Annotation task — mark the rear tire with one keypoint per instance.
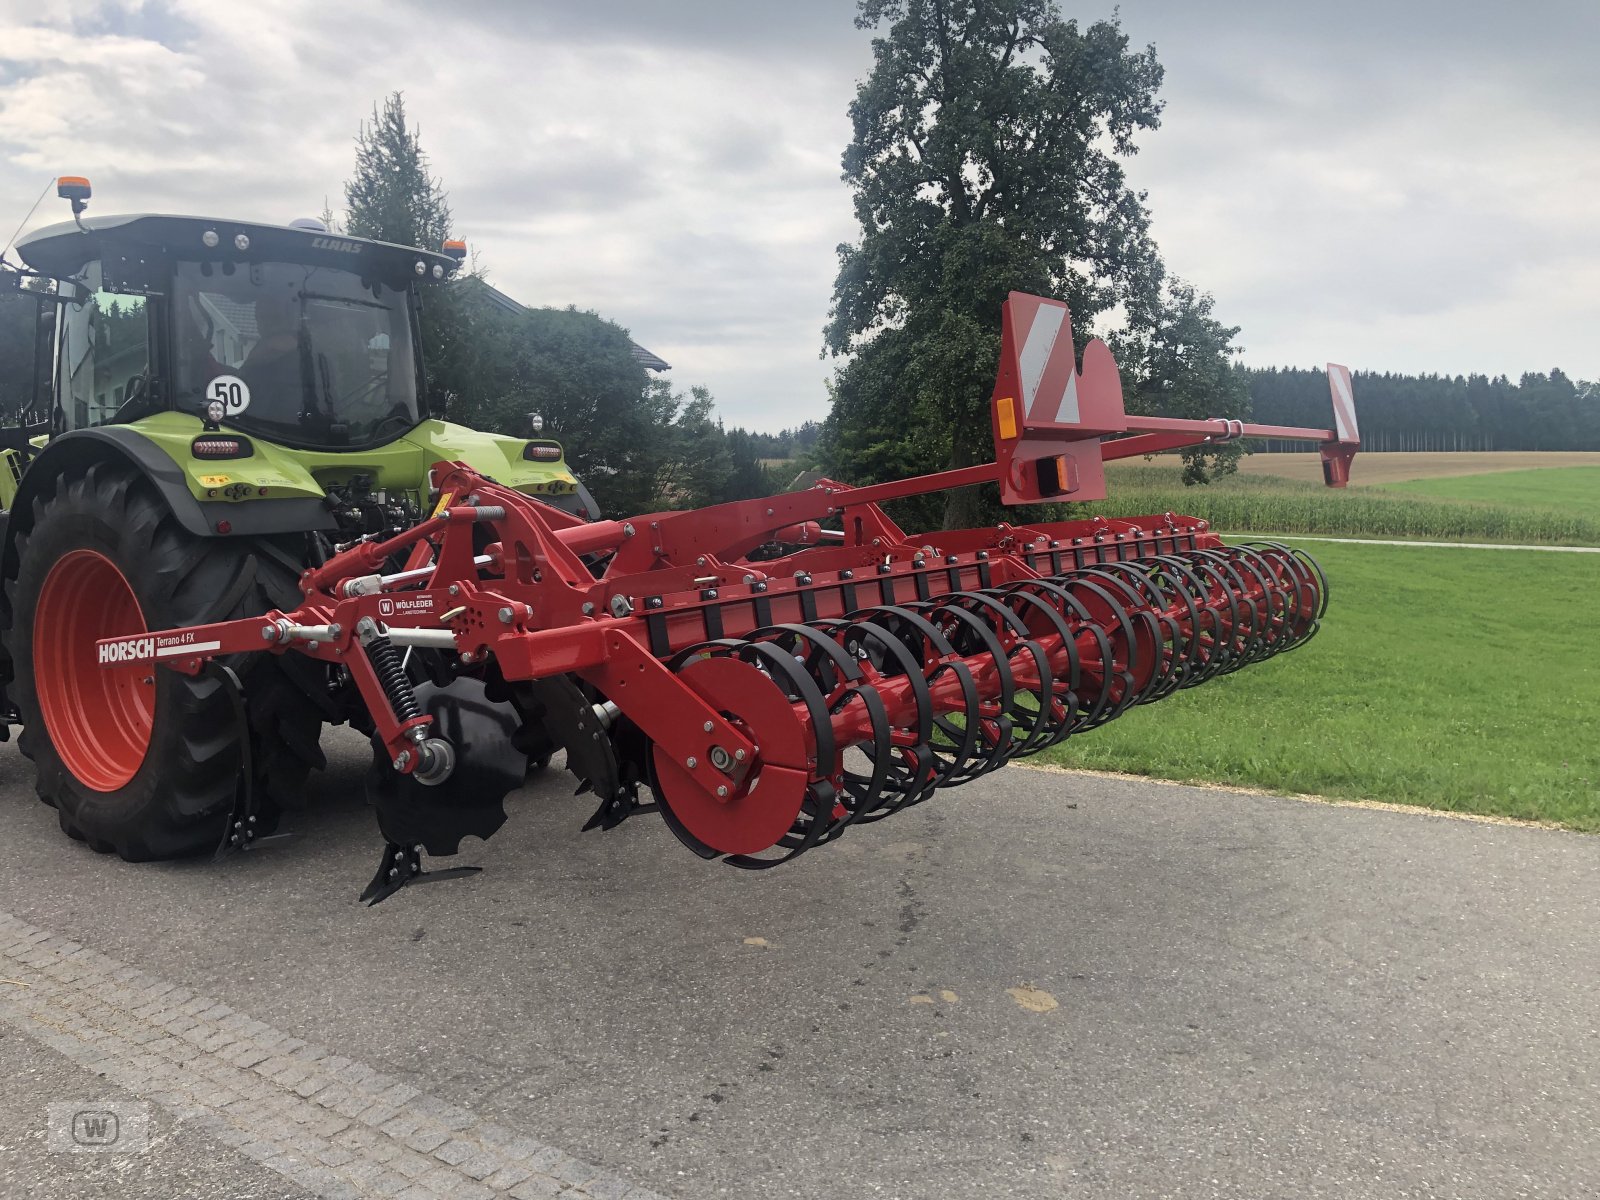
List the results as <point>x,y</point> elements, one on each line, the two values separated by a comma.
<point>146,765</point>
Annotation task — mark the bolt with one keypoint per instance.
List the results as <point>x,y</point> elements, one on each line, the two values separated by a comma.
<point>691,762</point>
<point>399,856</point>
<point>621,607</point>
<point>505,616</point>
<point>149,680</point>
<point>627,529</point>
<point>708,727</point>
<point>335,632</point>
<point>722,791</point>
<point>269,633</point>
<point>394,872</point>
<point>769,512</point>
<point>701,561</point>
<point>312,645</point>
<point>588,609</point>
<point>419,734</point>
<point>455,589</point>
<point>401,760</point>
<point>738,756</point>
<point>720,758</point>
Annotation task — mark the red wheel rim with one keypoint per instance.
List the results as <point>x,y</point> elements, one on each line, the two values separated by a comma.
<point>98,718</point>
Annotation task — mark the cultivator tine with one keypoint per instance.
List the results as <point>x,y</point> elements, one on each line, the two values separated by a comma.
<point>243,830</point>
<point>401,866</point>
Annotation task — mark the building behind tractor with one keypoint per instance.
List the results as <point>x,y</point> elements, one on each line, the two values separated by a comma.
<point>240,521</point>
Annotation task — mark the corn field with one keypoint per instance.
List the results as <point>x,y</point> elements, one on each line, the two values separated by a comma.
<point>1267,504</point>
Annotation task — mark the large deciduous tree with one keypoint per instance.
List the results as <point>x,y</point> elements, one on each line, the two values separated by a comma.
<point>986,158</point>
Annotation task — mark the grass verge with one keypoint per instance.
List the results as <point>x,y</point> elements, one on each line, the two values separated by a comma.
<point>1452,679</point>
<point>1266,502</point>
<point>1572,490</point>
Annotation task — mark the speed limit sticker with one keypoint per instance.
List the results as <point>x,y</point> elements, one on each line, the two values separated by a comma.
<point>231,391</point>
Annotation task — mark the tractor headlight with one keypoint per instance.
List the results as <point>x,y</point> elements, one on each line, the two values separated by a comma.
<point>214,446</point>
<point>542,452</point>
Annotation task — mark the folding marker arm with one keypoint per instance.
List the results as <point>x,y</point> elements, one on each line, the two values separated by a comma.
<point>1051,420</point>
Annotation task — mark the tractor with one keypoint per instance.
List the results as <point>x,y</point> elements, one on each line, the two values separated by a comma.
<point>241,522</point>
<point>230,403</point>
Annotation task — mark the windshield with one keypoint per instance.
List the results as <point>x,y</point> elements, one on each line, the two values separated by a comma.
<point>308,356</point>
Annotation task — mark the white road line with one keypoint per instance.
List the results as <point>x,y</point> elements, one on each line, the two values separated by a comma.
<point>1302,537</point>
<point>326,1122</point>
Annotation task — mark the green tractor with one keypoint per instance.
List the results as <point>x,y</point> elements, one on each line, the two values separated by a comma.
<point>228,404</point>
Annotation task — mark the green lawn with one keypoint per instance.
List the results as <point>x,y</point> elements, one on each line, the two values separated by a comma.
<point>1457,679</point>
<point>1572,490</point>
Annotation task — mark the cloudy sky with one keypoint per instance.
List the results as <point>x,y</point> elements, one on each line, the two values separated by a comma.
<point>1406,186</point>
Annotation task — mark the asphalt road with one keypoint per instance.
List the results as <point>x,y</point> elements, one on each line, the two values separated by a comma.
<point>1034,986</point>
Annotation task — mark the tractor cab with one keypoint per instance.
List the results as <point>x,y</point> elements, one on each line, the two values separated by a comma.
<point>302,337</point>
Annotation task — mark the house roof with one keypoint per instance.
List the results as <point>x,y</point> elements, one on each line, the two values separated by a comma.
<point>647,360</point>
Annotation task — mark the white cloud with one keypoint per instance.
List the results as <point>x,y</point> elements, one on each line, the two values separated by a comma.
<point>1399,189</point>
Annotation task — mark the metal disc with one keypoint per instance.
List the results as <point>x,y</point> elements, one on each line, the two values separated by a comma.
<point>760,811</point>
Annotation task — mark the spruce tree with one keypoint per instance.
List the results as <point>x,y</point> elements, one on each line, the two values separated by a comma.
<point>392,196</point>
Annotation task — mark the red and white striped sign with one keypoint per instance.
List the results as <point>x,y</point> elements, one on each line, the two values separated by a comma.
<point>1344,403</point>
<point>1047,365</point>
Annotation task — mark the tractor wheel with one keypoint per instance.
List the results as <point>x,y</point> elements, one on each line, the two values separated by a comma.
<point>146,766</point>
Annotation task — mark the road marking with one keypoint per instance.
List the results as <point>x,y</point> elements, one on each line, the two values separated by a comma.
<point>1035,1000</point>
<point>328,1123</point>
<point>1302,537</point>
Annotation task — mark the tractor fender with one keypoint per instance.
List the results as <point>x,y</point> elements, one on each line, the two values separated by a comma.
<point>77,451</point>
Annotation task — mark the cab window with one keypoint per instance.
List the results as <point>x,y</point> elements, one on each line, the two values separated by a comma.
<point>104,356</point>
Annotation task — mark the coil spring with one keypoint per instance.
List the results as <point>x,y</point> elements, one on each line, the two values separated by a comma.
<point>902,700</point>
<point>391,673</point>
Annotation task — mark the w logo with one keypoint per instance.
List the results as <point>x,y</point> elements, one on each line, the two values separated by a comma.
<point>95,1128</point>
<point>99,1127</point>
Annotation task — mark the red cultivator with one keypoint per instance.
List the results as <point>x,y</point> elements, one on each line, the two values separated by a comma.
<point>777,670</point>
